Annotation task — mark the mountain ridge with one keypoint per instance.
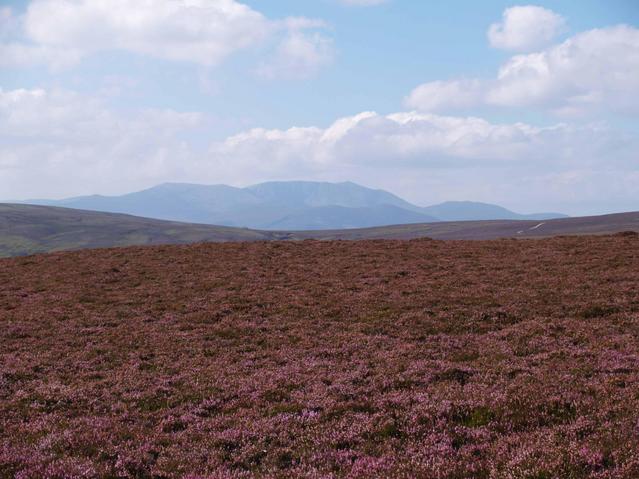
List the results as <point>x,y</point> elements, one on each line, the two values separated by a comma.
<point>297,205</point>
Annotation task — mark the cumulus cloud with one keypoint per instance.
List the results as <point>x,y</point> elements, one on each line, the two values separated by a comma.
<point>593,71</point>
<point>400,139</point>
<point>55,138</point>
<point>15,53</point>
<point>445,95</point>
<point>525,28</point>
<point>62,32</point>
<point>597,69</point>
<point>200,31</point>
<point>298,56</point>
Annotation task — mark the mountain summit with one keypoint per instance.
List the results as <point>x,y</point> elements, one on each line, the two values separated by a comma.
<point>291,205</point>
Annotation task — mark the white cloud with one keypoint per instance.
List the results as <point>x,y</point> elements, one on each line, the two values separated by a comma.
<point>26,55</point>
<point>525,28</point>
<point>593,71</point>
<point>399,137</point>
<point>41,114</point>
<point>445,95</point>
<point>14,53</point>
<point>299,55</point>
<point>54,138</point>
<point>60,33</point>
<point>200,31</point>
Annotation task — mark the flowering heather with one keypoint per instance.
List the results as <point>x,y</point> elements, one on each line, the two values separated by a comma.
<point>493,359</point>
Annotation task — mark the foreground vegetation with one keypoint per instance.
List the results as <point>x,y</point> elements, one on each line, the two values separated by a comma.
<point>491,359</point>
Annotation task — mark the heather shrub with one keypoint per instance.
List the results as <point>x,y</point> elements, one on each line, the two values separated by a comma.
<point>402,359</point>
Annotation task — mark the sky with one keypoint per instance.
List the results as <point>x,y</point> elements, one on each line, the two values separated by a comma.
<point>531,106</point>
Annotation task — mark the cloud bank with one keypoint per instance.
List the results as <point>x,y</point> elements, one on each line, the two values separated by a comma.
<point>593,71</point>
<point>60,33</point>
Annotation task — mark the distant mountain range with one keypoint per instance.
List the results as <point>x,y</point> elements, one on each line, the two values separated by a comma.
<point>291,205</point>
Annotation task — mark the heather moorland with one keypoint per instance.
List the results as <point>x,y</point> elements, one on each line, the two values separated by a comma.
<point>421,358</point>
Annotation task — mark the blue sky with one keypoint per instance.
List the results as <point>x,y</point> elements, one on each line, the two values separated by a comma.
<point>92,106</point>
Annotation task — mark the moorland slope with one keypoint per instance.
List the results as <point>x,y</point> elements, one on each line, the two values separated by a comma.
<point>478,230</point>
<point>500,359</point>
<point>29,229</point>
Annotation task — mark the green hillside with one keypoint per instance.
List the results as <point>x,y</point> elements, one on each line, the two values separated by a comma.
<point>29,229</point>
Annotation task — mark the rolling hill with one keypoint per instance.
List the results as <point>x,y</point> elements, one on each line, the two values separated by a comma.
<point>485,230</point>
<point>284,204</point>
<point>28,229</point>
<point>327,217</point>
<point>474,211</point>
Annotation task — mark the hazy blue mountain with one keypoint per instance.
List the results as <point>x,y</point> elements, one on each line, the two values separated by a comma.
<point>170,201</point>
<point>340,217</point>
<point>310,193</point>
<point>283,205</point>
<point>473,211</point>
